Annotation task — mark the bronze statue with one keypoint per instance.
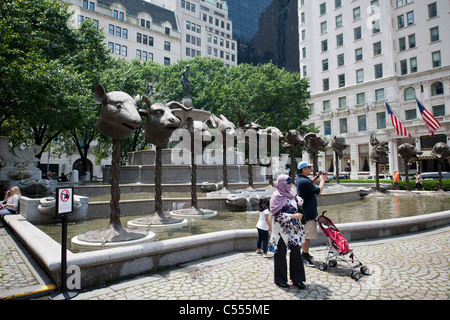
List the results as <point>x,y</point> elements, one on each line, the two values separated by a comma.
<point>379,155</point>
<point>441,151</point>
<point>338,144</point>
<point>293,141</point>
<point>118,117</point>
<point>407,151</point>
<point>315,144</point>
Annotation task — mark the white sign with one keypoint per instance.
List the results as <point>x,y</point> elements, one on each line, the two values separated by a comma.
<point>64,200</point>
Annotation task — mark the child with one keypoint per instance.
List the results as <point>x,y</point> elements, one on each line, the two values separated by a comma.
<point>263,226</point>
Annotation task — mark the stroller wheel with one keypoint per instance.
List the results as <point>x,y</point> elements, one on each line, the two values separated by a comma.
<point>365,270</point>
<point>332,263</point>
<point>355,275</point>
<point>322,266</point>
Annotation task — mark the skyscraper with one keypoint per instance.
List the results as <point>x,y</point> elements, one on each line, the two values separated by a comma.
<point>266,30</point>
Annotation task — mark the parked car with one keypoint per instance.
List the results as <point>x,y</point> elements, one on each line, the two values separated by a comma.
<point>434,175</point>
<point>380,176</point>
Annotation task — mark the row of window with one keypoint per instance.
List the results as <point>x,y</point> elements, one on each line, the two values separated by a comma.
<point>410,114</point>
<point>378,69</point>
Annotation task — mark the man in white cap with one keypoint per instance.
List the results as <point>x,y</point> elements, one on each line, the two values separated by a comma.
<point>307,190</point>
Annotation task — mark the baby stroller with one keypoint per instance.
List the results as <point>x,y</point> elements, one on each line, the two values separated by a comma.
<point>338,249</point>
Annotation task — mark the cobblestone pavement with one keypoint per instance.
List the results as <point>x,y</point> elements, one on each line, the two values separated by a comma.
<point>410,267</point>
<point>402,268</point>
<point>18,276</point>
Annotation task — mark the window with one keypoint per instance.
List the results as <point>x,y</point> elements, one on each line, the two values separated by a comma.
<point>339,21</point>
<point>342,102</point>
<point>360,98</point>
<point>326,105</point>
<point>410,18</point>
<point>438,111</point>
<point>403,67</point>
<point>325,65</point>
<point>340,60</point>
<point>323,27</point>
<point>437,88</point>
<point>111,29</point>
<point>117,50</point>
<point>410,94</point>
<point>413,65</point>
<point>358,54</point>
<point>412,41</point>
<point>400,21</point>
<point>378,71</point>
<point>402,44</point>
<point>377,48</point>
<point>327,127</point>
<point>432,10</point>
<point>434,34</point>
<point>337,3</point>
<point>357,33</point>
<point>381,120</point>
<point>341,80</point>
<point>375,7</point>
<point>362,125</point>
<point>124,51</point>
<point>359,75</point>
<point>326,84</point>
<point>324,45</point>
<point>323,8</point>
<point>436,58</point>
<point>343,125</point>
<point>166,61</point>
<point>363,153</point>
<point>304,52</point>
<point>376,26</point>
<point>356,13</point>
<point>167,30</point>
<point>379,95</point>
<point>340,39</point>
<point>167,45</point>
<point>410,114</point>
<point>111,47</point>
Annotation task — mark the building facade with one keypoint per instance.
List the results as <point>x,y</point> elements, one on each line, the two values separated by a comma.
<point>266,30</point>
<point>360,55</point>
<point>206,29</point>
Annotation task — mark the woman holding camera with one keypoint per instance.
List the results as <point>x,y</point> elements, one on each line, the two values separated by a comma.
<point>11,203</point>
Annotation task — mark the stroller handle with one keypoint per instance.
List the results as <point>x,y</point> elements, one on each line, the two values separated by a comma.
<point>323,213</point>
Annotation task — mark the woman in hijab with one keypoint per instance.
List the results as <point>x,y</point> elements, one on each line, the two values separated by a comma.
<point>287,231</point>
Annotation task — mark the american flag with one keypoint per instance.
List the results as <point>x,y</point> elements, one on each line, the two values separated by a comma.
<point>430,121</point>
<point>399,128</point>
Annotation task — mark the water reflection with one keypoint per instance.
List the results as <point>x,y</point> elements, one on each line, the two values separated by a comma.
<point>369,208</point>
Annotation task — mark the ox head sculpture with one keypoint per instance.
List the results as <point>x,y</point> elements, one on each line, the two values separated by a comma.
<point>160,121</point>
<point>119,114</point>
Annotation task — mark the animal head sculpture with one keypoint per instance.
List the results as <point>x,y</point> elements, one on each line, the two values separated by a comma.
<point>441,151</point>
<point>338,144</point>
<point>195,122</point>
<point>161,122</point>
<point>314,142</point>
<point>119,114</point>
<point>408,151</point>
<point>293,140</point>
<point>223,125</point>
<point>380,151</point>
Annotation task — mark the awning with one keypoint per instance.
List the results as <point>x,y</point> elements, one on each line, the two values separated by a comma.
<point>426,155</point>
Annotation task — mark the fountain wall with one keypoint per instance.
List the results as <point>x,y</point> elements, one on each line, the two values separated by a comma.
<point>122,262</point>
<point>177,169</point>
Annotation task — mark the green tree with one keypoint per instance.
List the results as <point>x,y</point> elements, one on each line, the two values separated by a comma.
<point>41,89</point>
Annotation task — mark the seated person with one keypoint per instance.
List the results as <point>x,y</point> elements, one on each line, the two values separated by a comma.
<point>11,203</point>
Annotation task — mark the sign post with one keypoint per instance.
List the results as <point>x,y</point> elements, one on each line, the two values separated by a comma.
<point>64,206</point>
